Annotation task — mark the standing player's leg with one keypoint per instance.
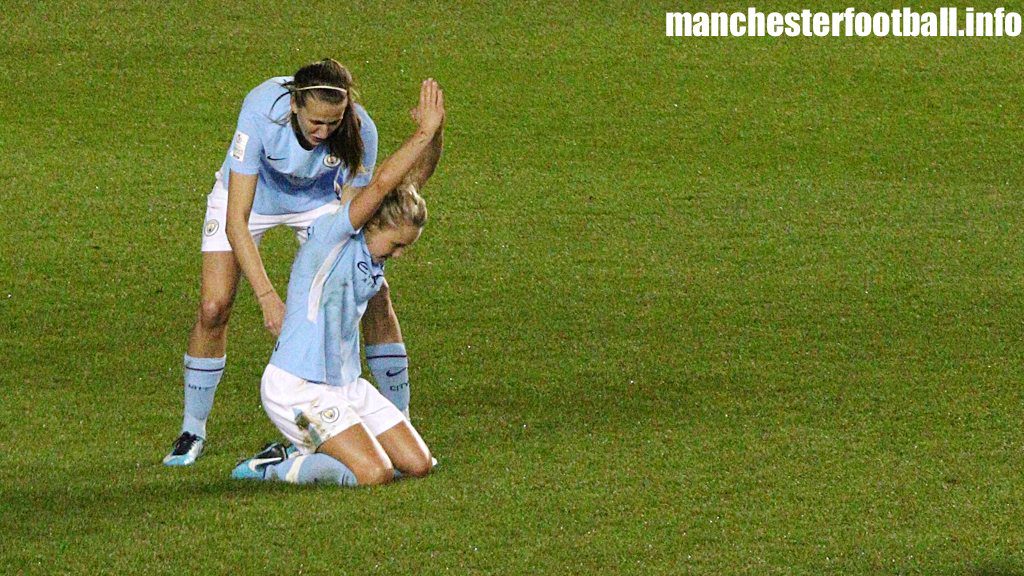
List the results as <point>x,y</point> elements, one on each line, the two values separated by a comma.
<point>385,349</point>
<point>206,356</point>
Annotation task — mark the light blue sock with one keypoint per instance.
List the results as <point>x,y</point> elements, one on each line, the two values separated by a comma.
<point>311,469</point>
<point>201,378</point>
<point>390,367</point>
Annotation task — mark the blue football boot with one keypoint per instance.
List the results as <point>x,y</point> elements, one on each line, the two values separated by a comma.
<point>187,449</point>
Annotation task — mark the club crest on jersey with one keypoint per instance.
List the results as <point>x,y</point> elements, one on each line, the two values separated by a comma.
<point>332,161</point>
<point>211,227</point>
<point>330,415</point>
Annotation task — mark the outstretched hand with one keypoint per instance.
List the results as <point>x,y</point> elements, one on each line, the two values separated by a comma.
<point>430,112</point>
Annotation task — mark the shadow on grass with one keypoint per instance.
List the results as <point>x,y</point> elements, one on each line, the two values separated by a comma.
<point>49,526</point>
<point>53,513</point>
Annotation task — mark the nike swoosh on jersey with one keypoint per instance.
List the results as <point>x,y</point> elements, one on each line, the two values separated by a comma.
<point>395,373</point>
<point>276,159</point>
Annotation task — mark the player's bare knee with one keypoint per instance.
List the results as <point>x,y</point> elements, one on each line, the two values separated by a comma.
<point>420,467</point>
<point>375,475</point>
<point>214,313</point>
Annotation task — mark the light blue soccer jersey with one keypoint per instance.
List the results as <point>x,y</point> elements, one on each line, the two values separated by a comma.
<point>291,178</point>
<point>332,279</point>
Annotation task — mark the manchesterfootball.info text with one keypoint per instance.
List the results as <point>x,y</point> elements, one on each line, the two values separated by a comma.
<point>904,22</point>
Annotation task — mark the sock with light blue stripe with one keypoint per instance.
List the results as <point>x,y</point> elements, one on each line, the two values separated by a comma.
<point>311,469</point>
<point>201,378</point>
<point>390,367</point>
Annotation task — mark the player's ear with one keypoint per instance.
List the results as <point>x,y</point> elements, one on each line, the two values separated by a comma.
<point>294,106</point>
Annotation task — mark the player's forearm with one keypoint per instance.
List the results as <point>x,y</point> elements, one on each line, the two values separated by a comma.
<point>424,167</point>
<point>398,165</point>
<point>430,116</point>
<point>248,257</point>
<point>387,177</point>
<point>241,194</point>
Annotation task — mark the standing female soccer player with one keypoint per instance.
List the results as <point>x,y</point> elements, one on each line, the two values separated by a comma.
<point>300,141</point>
<point>347,432</point>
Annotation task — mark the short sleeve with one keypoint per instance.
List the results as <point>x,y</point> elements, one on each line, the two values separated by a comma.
<point>332,228</point>
<point>246,146</point>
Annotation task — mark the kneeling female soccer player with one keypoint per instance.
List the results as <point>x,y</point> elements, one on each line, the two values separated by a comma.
<point>346,432</point>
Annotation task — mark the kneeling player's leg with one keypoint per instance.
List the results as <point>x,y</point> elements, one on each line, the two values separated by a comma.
<point>348,458</point>
<point>360,452</point>
<point>351,458</point>
<point>311,469</point>
<point>407,450</point>
<point>401,442</point>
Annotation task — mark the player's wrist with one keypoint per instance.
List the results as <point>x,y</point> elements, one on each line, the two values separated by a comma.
<point>424,134</point>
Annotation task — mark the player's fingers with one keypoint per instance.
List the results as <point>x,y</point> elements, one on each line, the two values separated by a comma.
<point>432,97</point>
<point>424,100</point>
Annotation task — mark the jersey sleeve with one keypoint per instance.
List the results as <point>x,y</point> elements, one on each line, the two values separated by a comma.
<point>246,146</point>
<point>368,132</point>
<point>332,228</point>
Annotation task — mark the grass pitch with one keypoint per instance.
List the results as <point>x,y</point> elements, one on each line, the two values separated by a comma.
<point>705,306</point>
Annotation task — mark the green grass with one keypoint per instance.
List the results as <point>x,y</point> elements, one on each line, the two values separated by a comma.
<point>708,306</point>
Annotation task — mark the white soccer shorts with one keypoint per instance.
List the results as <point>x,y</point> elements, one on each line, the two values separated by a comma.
<point>215,237</point>
<point>310,414</point>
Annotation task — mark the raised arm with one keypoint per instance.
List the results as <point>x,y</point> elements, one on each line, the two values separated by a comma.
<point>391,173</point>
<point>425,165</point>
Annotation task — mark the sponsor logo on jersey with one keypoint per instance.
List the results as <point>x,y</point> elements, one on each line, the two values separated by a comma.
<point>238,146</point>
<point>211,227</point>
<point>332,161</point>
<point>370,278</point>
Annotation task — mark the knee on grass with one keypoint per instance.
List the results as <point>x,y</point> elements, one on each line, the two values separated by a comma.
<point>419,467</point>
<point>375,474</point>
